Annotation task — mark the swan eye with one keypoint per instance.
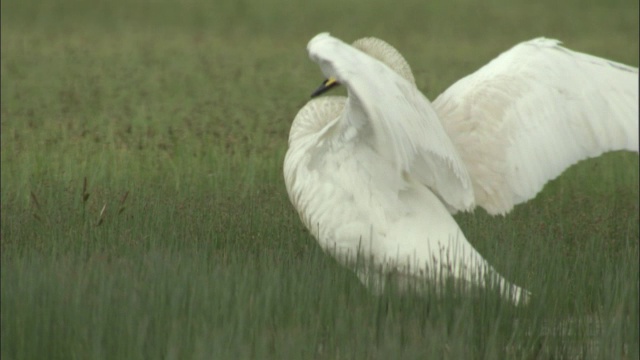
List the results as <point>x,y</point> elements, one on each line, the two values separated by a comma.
<point>326,85</point>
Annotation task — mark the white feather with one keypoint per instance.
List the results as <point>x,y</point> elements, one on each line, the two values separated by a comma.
<point>377,173</point>
<point>529,114</point>
<point>394,118</point>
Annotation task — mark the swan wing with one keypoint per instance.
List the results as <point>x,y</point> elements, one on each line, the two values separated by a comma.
<point>390,114</point>
<point>532,112</point>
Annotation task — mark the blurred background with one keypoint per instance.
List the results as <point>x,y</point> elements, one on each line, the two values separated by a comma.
<point>144,214</point>
<point>234,73</point>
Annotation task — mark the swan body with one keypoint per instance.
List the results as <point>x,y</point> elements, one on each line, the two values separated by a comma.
<point>377,174</point>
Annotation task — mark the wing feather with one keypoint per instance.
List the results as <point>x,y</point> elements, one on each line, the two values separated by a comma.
<point>393,116</point>
<point>538,108</point>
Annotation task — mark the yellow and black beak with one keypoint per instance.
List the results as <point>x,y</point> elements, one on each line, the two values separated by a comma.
<point>326,85</point>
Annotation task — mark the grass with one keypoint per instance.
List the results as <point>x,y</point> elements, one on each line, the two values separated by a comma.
<point>144,213</point>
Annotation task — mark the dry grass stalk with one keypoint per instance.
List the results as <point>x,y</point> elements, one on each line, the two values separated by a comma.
<point>102,212</point>
<point>85,194</point>
<point>122,201</point>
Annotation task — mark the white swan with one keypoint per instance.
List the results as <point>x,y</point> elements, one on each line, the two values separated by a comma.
<point>375,175</point>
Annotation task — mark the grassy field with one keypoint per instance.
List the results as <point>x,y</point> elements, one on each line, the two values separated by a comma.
<point>144,215</point>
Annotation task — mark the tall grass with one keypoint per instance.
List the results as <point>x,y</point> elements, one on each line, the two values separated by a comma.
<point>144,213</point>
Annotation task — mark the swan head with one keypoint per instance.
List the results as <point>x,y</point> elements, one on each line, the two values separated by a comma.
<point>374,47</point>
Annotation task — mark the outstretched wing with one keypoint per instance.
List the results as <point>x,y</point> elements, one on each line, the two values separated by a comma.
<point>538,108</point>
<point>395,119</point>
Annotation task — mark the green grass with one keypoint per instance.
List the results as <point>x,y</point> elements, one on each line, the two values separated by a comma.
<point>183,245</point>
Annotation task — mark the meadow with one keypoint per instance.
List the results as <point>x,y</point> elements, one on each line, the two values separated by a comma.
<point>144,214</point>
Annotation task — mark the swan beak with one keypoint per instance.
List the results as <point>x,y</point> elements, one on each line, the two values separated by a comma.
<point>326,85</point>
